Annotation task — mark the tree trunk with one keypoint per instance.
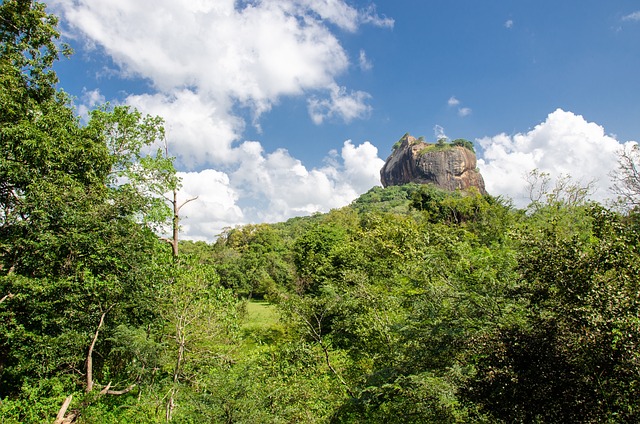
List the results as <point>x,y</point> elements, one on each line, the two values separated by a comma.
<point>90,353</point>
<point>175,224</point>
<point>181,340</point>
<point>175,221</point>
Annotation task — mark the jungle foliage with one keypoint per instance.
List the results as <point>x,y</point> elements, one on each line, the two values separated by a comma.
<point>409,305</point>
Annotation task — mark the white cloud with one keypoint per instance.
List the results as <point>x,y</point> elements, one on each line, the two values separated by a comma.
<point>199,131</point>
<point>635,16</point>
<point>335,11</point>
<point>508,24</point>
<point>341,104</point>
<point>252,55</point>
<point>369,16</point>
<point>343,15</point>
<point>272,187</point>
<point>564,144</point>
<point>361,166</point>
<point>438,132</point>
<point>464,111</point>
<point>203,59</point>
<point>215,207</point>
<point>89,100</point>
<point>365,63</point>
<point>280,186</point>
<point>209,62</point>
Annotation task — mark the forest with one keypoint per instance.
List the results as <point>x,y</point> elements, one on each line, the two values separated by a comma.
<point>410,305</point>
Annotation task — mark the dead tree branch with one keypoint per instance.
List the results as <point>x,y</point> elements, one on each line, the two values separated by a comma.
<point>90,353</point>
<point>60,418</point>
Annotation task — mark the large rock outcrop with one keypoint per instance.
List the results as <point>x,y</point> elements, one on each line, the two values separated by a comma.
<point>447,166</point>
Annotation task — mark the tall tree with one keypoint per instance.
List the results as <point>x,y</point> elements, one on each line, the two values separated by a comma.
<point>142,170</point>
<point>73,253</point>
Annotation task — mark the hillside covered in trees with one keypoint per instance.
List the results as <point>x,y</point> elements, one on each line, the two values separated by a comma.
<point>412,304</point>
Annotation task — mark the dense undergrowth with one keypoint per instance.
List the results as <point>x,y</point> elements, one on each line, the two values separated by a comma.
<point>410,305</point>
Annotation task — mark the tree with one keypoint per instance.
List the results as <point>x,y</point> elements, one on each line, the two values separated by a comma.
<point>253,260</point>
<point>201,318</point>
<point>49,167</point>
<point>566,191</point>
<point>574,358</point>
<point>313,255</point>
<point>28,36</point>
<point>463,143</point>
<point>142,170</point>
<point>313,315</point>
<point>73,253</point>
<point>626,180</point>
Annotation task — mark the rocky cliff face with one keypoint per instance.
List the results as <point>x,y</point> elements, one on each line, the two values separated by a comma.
<point>447,166</point>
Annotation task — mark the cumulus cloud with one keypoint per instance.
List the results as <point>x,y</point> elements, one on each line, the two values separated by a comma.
<point>272,187</point>
<point>508,24</point>
<point>280,186</point>
<point>635,16</point>
<point>252,54</point>
<point>215,207</point>
<point>564,144</point>
<point>453,101</point>
<point>340,104</point>
<point>361,169</point>
<point>199,130</point>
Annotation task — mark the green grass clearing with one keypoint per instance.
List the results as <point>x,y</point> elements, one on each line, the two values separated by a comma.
<point>261,324</point>
<point>260,314</point>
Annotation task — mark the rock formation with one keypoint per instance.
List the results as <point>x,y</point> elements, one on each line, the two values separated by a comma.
<point>449,166</point>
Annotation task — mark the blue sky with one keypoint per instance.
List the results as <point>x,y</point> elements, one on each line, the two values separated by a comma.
<point>278,108</point>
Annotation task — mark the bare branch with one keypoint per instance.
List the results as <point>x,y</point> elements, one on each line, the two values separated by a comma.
<point>63,410</point>
<point>185,202</point>
<point>7,296</point>
<point>333,370</point>
<point>105,389</point>
<point>90,353</point>
<point>537,185</point>
<point>121,392</point>
<point>626,180</point>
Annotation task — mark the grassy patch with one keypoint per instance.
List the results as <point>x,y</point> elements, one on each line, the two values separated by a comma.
<point>260,314</point>
<point>261,324</point>
<point>434,148</point>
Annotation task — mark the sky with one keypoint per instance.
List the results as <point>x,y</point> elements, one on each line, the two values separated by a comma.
<point>283,108</point>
